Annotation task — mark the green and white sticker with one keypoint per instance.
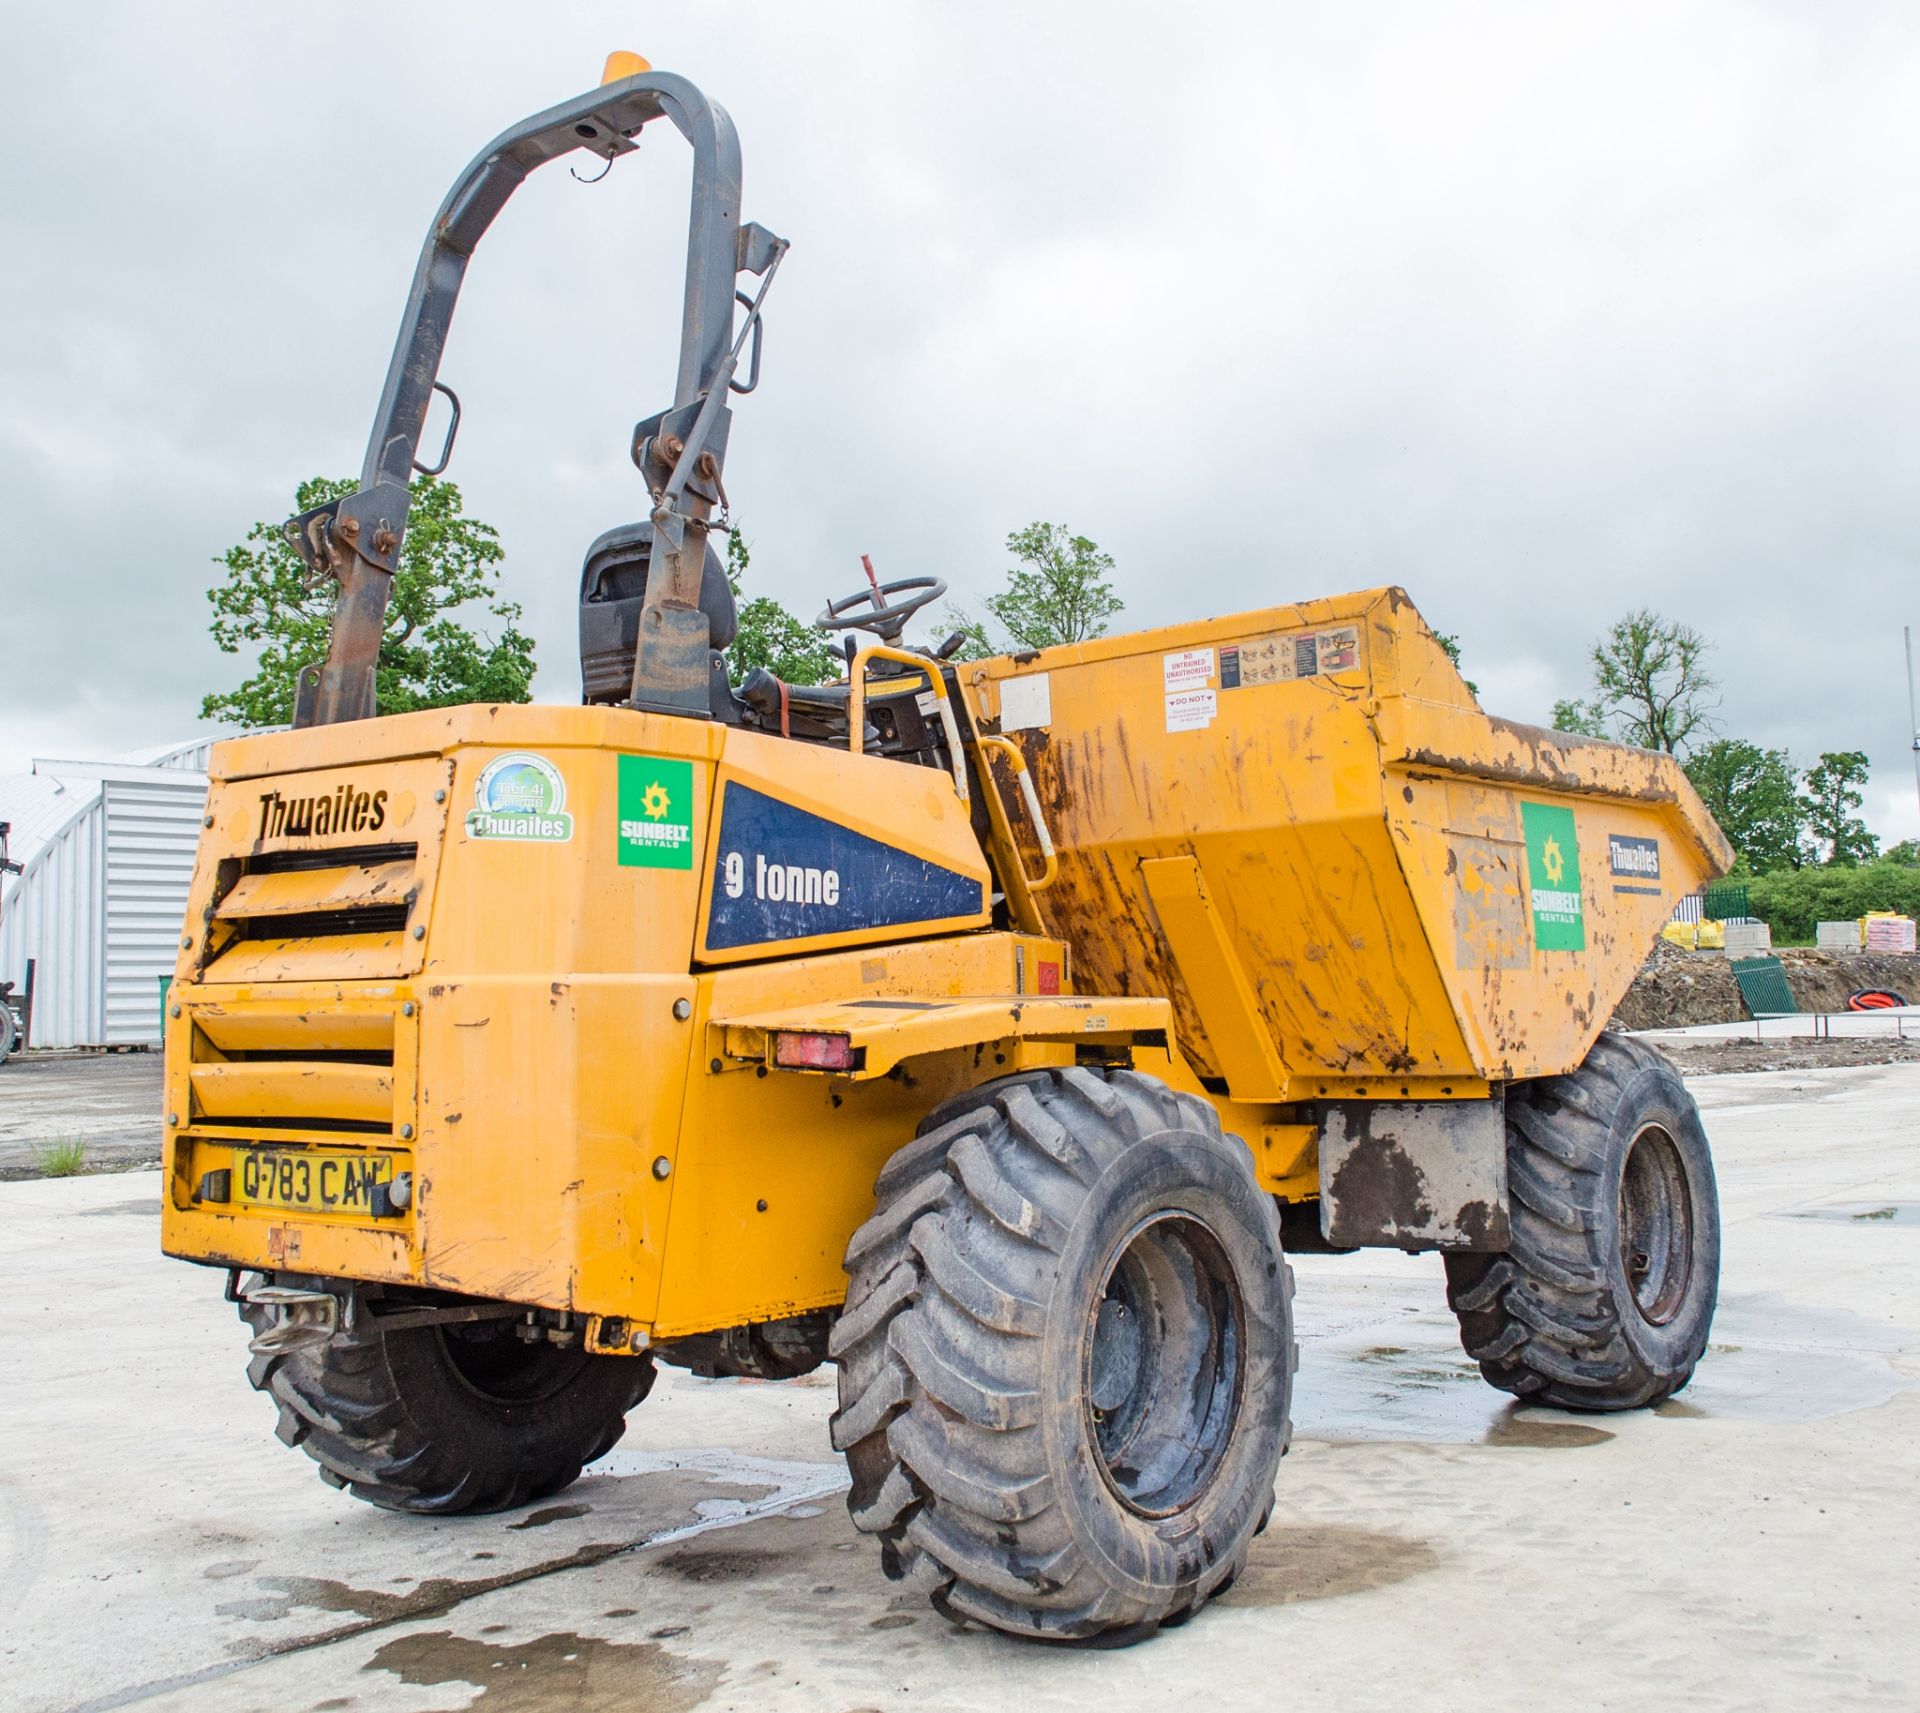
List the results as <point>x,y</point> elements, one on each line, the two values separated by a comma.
<point>520,797</point>
<point>656,812</point>
<point>1553,878</point>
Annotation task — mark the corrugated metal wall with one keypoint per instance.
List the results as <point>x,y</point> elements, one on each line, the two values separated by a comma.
<point>152,827</point>
<point>53,915</point>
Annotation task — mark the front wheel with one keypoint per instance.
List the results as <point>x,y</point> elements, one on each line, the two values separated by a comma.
<point>1066,1357</point>
<point>447,1419</point>
<point>1605,1296</point>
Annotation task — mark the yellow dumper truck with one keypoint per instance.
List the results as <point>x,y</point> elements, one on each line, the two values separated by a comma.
<point>986,1028</point>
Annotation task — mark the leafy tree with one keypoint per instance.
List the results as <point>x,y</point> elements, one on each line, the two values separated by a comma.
<point>430,657</point>
<point>769,635</point>
<point>978,645</point>
<point>1450,647</point>
<point>1751,793</point>
<point>1832,795</point>
<point>1057,591</point>
<point>1582,719</point>
<point>1650,679</point>
<point>1906,853</point>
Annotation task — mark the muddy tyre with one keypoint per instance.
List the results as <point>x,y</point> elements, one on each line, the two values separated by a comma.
<point>447,1420</point>
<point>1605,1298</point>
<point>1066,1357</point>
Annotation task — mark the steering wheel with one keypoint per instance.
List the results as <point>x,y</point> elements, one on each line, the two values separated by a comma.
<point>877,610</point>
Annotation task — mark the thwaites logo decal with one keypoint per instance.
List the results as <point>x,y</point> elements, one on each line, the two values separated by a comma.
<point>780,873</point>
<point>656,812</point>
<point>348,808</point>
<point>1634,864</point>
<point>520,797</point>
<point>1553,878</point>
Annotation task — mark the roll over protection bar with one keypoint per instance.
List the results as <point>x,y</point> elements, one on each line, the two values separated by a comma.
<point>681,451</point>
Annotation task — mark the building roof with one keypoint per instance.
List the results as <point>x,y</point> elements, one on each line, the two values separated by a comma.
<point>42,804</point>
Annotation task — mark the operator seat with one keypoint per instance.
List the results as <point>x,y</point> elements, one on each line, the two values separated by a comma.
<point>613,584</point>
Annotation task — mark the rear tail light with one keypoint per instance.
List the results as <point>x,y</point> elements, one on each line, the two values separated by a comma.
<point>813,1052</point>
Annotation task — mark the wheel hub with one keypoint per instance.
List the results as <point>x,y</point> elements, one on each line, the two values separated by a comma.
<point>1163,1368</point>
<point>1656,1226</point>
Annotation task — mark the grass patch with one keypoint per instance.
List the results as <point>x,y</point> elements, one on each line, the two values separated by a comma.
<point>63,1159</point>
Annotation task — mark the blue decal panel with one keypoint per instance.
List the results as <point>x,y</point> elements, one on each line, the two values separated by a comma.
<point>780,873</point>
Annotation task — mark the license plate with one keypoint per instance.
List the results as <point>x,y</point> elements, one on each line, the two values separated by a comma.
<point>310,1180</point>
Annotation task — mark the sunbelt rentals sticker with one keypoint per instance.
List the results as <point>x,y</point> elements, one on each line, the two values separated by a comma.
<point>656,812</point>
<point>520,797</point>
<point>1553,878</point>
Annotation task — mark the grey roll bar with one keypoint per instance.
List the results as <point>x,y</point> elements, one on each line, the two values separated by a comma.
<point>356,539</point>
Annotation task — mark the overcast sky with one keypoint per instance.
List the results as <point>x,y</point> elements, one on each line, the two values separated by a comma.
<point>1542,311</point>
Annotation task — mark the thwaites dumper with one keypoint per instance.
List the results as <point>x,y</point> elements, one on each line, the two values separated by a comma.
<point>980,1027</point>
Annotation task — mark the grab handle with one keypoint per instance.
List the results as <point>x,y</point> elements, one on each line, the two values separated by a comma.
<point>1018,762</point>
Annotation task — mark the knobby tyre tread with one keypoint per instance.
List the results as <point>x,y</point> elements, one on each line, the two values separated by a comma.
<point>951,1414</point>
<point>1554,1319</point>
<point>389,1418</point>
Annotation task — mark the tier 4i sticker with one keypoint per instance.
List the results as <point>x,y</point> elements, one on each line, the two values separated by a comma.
<point>656,812</point>
<point>520,797</point>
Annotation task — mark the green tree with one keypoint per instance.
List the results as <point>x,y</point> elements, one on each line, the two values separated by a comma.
<point>1581,719</point>
<point>1057,590</point>
<point>1832,796</point>
<point>430,656</point>
<point>1650,679</point>
<point>1751,792</point>
<point>769,635</point>
<point>1906,853</point>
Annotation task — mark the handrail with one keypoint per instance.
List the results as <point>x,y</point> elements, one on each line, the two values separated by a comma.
<point>857,703</point>
<point>1018,762</point>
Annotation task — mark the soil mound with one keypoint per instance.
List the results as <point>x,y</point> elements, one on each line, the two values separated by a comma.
<point>1677,988</point>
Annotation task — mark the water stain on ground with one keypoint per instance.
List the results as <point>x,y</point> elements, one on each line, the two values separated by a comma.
<point>553,1674</point>
<point>113,1209</point>
<point>552,1514</point>
<point>1321,1561</point>
<point>1543,1434</point>
<point>720,1564</point>
<point>1861,1213</point>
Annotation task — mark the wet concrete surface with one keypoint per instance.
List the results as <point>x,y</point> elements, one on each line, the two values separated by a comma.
<point>110,1102</point>
<point>1755,1542</point>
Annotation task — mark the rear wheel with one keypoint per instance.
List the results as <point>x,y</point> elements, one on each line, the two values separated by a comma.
<point>446,1419</point>
<point>1605,1297</point>
<point>1066,1357</point>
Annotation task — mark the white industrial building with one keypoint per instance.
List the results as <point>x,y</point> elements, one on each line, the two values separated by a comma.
<point>106,854</point>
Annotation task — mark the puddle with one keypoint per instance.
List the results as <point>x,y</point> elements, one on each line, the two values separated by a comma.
<point>552,1514</point>
<point>1542,1433</point>
<point>1320,1562</point>
<point>1774,1360</point>
<point>555,1674</point>
<point>1860,1213</point>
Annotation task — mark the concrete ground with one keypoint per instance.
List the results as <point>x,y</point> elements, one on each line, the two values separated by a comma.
<point>110,1102</point>
<point>1753,1543</point>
